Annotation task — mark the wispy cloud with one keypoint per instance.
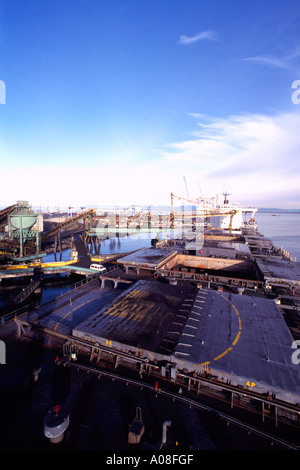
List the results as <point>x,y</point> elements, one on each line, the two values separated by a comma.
<point>294,53</point>
<point>286,61</point>
<point>211,35</point>
<point>255,156</point>
<point>270,61</point>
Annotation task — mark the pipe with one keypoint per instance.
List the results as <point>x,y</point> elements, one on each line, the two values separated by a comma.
<point>166,425</point>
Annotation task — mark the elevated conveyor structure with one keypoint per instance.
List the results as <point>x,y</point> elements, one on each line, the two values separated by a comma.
<point>67,223</point>
<point>5,212</point>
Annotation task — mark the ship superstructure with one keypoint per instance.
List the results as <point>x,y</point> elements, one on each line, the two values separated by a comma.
<point>221,212</point>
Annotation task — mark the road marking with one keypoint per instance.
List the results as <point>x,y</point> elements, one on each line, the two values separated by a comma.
<point>205,364</point>
<point>223,354</point>
<point>68,313</point>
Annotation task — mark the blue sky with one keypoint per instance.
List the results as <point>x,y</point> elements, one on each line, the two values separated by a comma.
<point>115,101</point>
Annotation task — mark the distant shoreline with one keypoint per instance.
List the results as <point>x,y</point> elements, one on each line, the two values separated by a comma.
<point>278,211</point>
<point>65,210</point>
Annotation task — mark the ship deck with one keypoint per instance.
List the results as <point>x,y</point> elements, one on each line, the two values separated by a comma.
<point>239,339</point>
<point>147,258</point>
<point>282,269</point>
<point>138,318</point>
<point>242,339</point>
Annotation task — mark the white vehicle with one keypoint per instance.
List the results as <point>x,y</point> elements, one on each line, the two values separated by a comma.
<point>98,267</point>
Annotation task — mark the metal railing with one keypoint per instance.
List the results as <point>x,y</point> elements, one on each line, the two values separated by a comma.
<point>26,308</point>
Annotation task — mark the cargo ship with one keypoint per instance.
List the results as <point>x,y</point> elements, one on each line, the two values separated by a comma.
<point>212,318</point>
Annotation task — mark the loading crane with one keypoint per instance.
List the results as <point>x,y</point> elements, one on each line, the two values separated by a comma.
<point>205,212</point>
<point>186,188</point>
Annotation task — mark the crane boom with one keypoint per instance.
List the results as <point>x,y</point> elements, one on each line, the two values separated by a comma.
<point>206,212</point>
<point>186,188</point>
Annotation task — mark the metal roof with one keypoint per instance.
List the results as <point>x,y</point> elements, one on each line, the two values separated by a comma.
<point>244,337</point>
<point>148,257</point>
<point>240,338</point>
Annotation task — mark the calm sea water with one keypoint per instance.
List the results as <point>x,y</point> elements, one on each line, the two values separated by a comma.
<point>127,244</point>
<point>282,228</point>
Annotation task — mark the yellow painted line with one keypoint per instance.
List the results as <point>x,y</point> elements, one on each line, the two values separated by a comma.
<point>51,264</point>
<point>227,300</point>
<point>54,264</point>
<point>58,323</point>
<point>235,309</point>
<point>78,306</point>
<point>16,266</point>
<point>222,354</point>
<point>65,316</point>
<point>237,336</point>
<point>239,332</point>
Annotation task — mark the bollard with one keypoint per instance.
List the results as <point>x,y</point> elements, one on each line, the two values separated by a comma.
<point>56,422</point>
<point>35,373</point>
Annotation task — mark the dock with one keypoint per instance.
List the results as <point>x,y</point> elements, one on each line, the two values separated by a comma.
<point>219,321</point>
